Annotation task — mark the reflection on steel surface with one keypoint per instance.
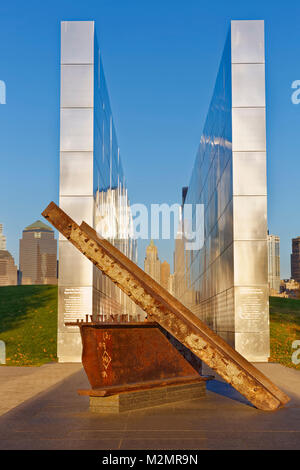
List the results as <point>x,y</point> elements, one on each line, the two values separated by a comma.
<point>91,177</point>
<point>229,178</point>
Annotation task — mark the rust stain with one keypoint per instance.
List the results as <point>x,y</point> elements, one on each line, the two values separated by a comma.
<point>120,355</point>
<point>171,314</point>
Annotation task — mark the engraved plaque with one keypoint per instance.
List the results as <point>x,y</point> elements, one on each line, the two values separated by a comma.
<point>251,303</point>
<point>77,303</point>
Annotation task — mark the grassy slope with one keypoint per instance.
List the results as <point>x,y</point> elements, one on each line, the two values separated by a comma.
<point>284,329</point>
<point>28,324</point>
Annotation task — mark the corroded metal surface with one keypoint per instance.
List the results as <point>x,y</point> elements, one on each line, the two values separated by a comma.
<point>173,316</point>
<point>146,385</point>
<point>123,355</point>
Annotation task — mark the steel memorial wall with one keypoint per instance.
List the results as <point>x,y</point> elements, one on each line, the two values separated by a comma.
<point>92,185</point>
<point>226,281</point>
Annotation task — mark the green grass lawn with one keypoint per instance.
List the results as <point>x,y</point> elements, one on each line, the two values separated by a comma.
<point>28,324</point>
<point>284,329</point>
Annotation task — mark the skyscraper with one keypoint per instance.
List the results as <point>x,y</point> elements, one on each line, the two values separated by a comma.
<point>152,262</point>
<point>38,254</point>
<point>295,259</point>
<point>165,275</point>
<point>2,239</point>
<point>8,269</point>
<point>274,262</point>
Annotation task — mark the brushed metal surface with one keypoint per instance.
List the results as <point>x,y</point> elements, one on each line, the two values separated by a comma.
<point>77,86</point>
<point>250,263</point>
<point>247,41</point>
<point>74,268</point>
<point>77,42</point>
<point>248,129</point>
<point>229,178</point>
<point>249,217</point>
<point>76,174</point>
<point>256,345</point>
<point>91,174</point>
<point>76,129</point>
<point>248,85</point>
<point>81,207</point>
<point>249,174</point>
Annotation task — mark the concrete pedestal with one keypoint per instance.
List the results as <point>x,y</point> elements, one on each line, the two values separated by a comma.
<point>134,400</point>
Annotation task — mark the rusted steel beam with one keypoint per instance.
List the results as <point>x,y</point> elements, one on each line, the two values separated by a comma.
<point>146,385</point>
<point>125,355</point>
<point>171,314</point>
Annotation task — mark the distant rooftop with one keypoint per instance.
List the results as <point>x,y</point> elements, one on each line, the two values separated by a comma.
<point>5,254</point>
<point>38,225</point>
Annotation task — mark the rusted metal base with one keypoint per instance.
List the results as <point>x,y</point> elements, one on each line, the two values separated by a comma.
<point>130,356</point>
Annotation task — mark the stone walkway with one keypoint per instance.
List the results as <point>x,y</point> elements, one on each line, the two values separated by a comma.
<point>59,419</point>
<point>18,384</point>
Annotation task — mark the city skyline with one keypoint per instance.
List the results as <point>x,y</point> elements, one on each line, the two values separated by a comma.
<point>146,105</point>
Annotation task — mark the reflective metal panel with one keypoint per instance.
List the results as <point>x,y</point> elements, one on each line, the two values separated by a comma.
<point>229,179</point>
<point>249,173</point>
<point>76,174</point>
<point>250,263</point>
<point>224,307</point>
<point>77,42</point>
<point>74,268</point>
<point>77,86</point>
<point>248,85</point>
<point>92,186</point>
<point>76,129</point>
<point>255,345</point>
<point>249,217</point>
<point>69,345</point>
<point>248,44</point>
<point>248,129</point>
<point>79,208</point>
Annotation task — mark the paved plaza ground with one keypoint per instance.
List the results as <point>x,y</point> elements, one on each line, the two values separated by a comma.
<point>40,409</point>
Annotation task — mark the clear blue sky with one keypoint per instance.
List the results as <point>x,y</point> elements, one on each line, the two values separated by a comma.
<point>161,58</point>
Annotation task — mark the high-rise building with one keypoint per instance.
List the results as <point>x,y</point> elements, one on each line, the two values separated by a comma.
<point>225,281</point>
<point>2,239</point>
<point>92,186</point>
<point>295,259</point>
<point>165,275</point>
<point>8,269</point>
<point>38,254</point>
<point>160,271</point>
<point>152,262</point>
<point>274,263</point>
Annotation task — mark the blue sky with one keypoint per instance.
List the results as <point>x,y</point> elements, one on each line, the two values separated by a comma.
<point>161,59</point>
